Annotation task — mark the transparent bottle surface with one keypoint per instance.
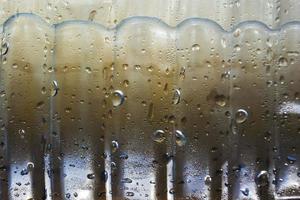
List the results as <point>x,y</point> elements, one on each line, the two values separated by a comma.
<point>119,100</point>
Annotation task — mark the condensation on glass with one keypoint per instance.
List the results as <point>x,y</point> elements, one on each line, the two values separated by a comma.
<point>132,99</point>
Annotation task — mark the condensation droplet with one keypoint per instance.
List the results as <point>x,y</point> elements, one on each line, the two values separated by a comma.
<point>207,179</point>
<point>92,15</point>
<point>195,47</point>
<point>54,88</point>
<point>88,70</point>
<point>4,48</point>
<point>159,136</point>
<point>30,166</point>
<point>283,62</point>
<point>91,176</point>
<point>176,97</point>
<point>245,191</point>
<point>220,100</point>
<point>262,178</point>
<point>115,145</point>
<point>117,98</point>
<point>241,116</point>
<point>180,138</point>
<point>14,66</point>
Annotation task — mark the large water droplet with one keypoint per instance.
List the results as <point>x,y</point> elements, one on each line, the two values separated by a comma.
<point>54,88</point>
<point>262,178</point>
<point>159,136</point>
<point>117,98</point>
<point>180,138</point>
<point>176,97</point>
<point>241,116</point>
<point>4,48</point>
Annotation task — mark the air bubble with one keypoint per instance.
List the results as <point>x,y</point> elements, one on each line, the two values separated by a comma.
<point>180,138</point>
<point>241,116</point>
<point>117,98</point>
<point>159,136</point>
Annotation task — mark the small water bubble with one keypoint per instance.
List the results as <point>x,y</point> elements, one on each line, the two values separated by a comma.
<point>195,47</point>
<point>180,138</point>
<point>159,136</point>
<point>4,48</point>
<point>115,145</point>
<point>237,48</point>
<point>54,88</point>
<point>176,97</point>
<point>241,116</point>
<point>117,98</point>
<point>262,178</point>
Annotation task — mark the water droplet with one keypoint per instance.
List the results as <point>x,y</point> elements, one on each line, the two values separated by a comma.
<point>117,98</point>
<point>88,70</point>
<point>172,191</point>
<point>126,180</point>
<point>180,138</point>
<point>43,90</point>
<point>195,47</point>
<point>245,191</point>
<point>262,178</point>
<point>91,176</point>
<point>104,176</point>
<point>241,116</point>
<point>220,100</point>
<point>92,15</point>
<point>159,136</point>
<point>282,62</point>
<point>22,133</point>
<point>14,66</point>
<point>129,194</point>
<point>207,180</point>
<point>54,88</point>
<point>115,145</point>
<point>4,48</point>
<point>237,48</point>
<point>30,166</point>
<point>176,97</point>
<point>291,159</point>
